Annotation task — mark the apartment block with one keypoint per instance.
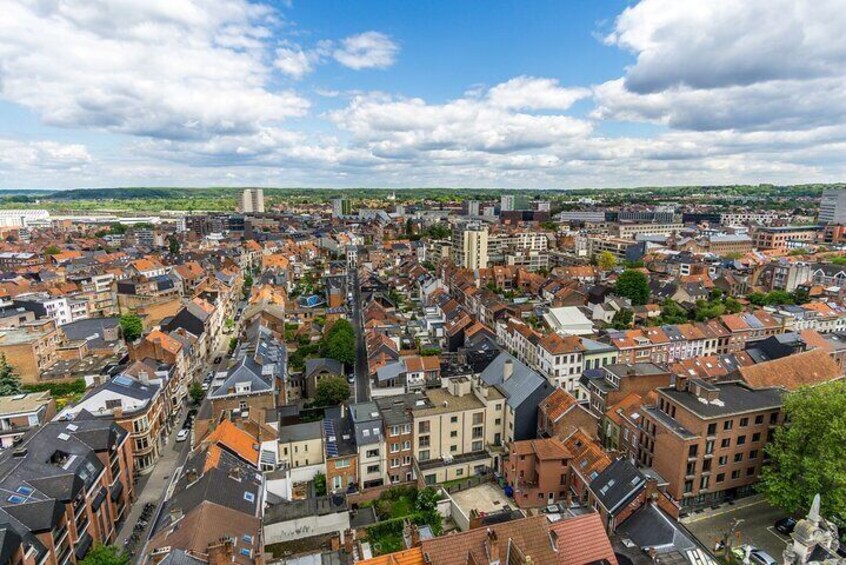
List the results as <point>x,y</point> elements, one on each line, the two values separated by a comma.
<point>707,440</point>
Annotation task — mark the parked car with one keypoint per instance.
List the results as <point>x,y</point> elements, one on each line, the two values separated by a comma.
<point>786,525</point>
<point>183,434</point>
<point>762,557</point>
<point>351,379</point>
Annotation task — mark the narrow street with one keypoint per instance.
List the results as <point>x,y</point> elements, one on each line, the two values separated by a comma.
<point>362,384</point>
<point>151,488</point>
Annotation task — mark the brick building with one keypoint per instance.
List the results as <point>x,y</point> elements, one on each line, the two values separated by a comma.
<point>707,440</point>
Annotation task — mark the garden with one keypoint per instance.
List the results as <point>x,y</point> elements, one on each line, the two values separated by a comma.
<point>393,508</point>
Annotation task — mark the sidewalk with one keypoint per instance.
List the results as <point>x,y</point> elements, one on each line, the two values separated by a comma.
<point>153,485</point>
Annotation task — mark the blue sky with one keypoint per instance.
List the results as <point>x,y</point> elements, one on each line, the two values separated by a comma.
<point>540,94</point>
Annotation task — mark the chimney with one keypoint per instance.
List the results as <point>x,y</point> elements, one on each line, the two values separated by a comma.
<point>507,369</point>
<point>349,538</point>
<point>651,489</point>
<point>492,547</point>
<point>222,552</point>
<point>415,536</point>
<point>191,475</point>
<point>235,473</point>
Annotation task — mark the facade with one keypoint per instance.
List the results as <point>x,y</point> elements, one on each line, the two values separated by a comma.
<point>32,348</point>
<point>833,207</point>
<point>707,440</point>
<point>370,440</point>
<point>470,246</point>
<point>787,237</point>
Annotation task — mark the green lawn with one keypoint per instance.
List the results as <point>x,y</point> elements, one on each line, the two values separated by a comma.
<point>401,507</point>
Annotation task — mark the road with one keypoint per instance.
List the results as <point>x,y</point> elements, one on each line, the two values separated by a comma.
<point>362,381</point>
<point>152,486</point>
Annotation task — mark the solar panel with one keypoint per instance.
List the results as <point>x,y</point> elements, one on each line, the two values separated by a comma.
<point>123,381</point>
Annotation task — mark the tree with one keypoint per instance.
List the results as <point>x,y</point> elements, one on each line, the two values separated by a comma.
<point>196,392</point>
<point>10,382</point>
<point>427,500</point>
<point>331,391</point>
<point>633,285</point>
<point>173,245</point>
<point>131,326</point>
<point>319,484</point>
<point>622,319</point>
<point>672,312</point>
<point>339,343</point>
<point>801,295</point>
<point>52,250</point>
<point>606,261</point>
<point>106,555</point>
<point>807,453</point>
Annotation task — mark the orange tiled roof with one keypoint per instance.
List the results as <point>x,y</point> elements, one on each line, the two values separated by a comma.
<point>583,540</point>
<point>557,403</point>
<point>236,440</point>
<point>413,556</point>
<point>802,369</point>
<point>165,341</point>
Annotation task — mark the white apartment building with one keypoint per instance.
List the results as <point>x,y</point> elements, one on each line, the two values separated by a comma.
<point>252,200</point>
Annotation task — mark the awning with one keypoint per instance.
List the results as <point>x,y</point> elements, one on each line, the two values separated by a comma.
<point>116,490</point>
<point>83,545</point>
<point>98,500</point>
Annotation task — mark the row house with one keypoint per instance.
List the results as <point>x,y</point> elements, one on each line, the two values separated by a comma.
<point>537,471</point>
<point>612,383</point>
<point>68,486</point>
<point>399,437</point>
<point>20,413</point>
<point>138,406</point>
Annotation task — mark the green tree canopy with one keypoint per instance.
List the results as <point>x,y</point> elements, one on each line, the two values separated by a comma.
<point>339,343</point>
<point>10,382</point>
<point>806,455</point>
<point>196,392</point>
<point>622,319</point>
<point>633,285</point>
<point>173,245</point>
<point>106,555</point>
<point>606,261</point>
<point>331,391</point>
<point>131,326</point>
<point>52,250</point>
<point>319,484</point>
<point>672,312</point>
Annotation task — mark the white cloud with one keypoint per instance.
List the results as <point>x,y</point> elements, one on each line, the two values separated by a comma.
<point>18,156</point>
<point>161,68</point>
<point>368,50</point>
<point>295,62</point>
<point>534,94</point>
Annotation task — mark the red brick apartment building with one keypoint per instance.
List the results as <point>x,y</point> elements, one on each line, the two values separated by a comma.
<point>537,470</point>
<point>707,440</point>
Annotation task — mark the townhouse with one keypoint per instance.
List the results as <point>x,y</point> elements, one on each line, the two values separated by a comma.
<point>19,413</point>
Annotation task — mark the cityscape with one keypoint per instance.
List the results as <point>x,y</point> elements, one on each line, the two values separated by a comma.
<point>422,283</point>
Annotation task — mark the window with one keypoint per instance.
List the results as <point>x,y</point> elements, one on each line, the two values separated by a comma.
<point>691,451</point>
<point>706,465</point>
<point>750,471</point>
<point>741,440</point>
<point>395,447</point>
<point>372,453</point>
<point>423,455</point>
<point>373,468</point>
<point>691,468</point>
<point>759,419</point>
<point>725,443</point>
<point>247,538</point>
<point>453,433</point>
<point>453,420</point>
<point>342,463</point>
<point>459,472</point>
<point>406,444</point>
<point>453,448</point>
<point>744,422</point>
<point>498,421</point>
<point>753,454</point>
<point>756,437</point>
<point>723,460</point>
<point>709,447</point>
<point>704,482</point>
<point>728,424</point>
<point>773,417</point>
<point>424,441</point>
<point>688,486</point>
<point>477,418</point>
<point>738,457</point>
<point>249,497</point>
<point>477,432</point>
<point>721,477</point>
<point>477,446</point>
<point>395,430</point>
<point>735,474</point>
<point>712,429</point>
<point>423,427</point>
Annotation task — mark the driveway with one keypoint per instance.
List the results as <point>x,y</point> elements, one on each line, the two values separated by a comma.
<point>756,528</point>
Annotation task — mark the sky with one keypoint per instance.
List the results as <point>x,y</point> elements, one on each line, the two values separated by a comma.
<point>430,93</point>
